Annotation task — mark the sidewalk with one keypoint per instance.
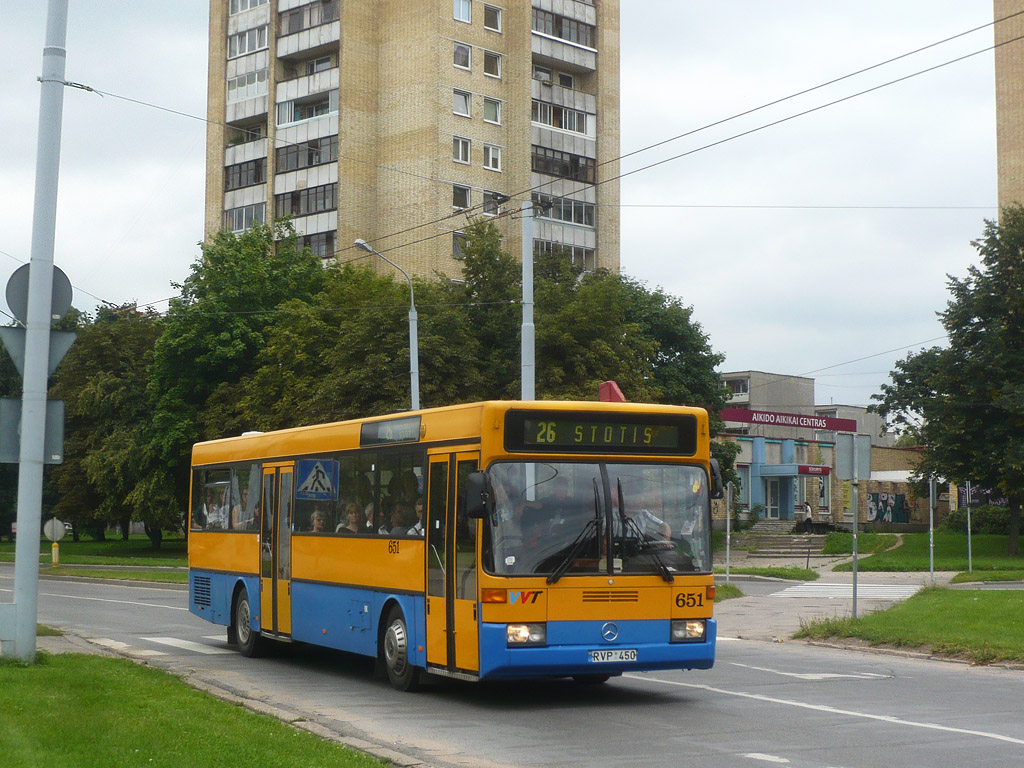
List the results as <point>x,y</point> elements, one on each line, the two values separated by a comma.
<point>771,615</point>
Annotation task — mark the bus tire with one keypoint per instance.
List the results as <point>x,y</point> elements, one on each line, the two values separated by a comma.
<point>591,679</point>
<point>249,641</point>
<point>402,675</point>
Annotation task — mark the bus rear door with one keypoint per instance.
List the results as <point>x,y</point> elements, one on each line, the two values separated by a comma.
<point>452,620</point>
<point>276,551</point>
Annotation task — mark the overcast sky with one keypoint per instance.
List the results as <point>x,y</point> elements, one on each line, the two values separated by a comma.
<point>810,244</point>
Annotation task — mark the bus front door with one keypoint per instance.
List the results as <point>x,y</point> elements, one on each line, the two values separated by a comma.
<point>276,551</point>
<point>452,618</point>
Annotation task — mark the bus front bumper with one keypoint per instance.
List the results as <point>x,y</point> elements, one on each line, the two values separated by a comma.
<point>579,648</point>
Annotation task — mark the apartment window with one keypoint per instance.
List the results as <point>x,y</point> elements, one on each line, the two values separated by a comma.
<point>247,42</point>
<point>319,65</point>
<point>492,64</point>
<point>492,111</point>
<point>307,154</point>
<point>240,135</point>
<point>559,117</point>
<point>460,103</point>
<point>458,245</point>
<point>580,256</point>
<point>492,157</point>
<point>460,149</point>
<point>462,56</point>
<point>460,196</point>
<point>247,86</point>
<point>304,202</point>
<point>240,219</point>
<point>492,18</point>
<point>738,386</point>
<point>566,80</point>
<point>237,6</point>
<point>541,73</point>
<point>563,164</point>
<point>492,203</point>
<point>563,28</point>
<point>464,11</point>
<point>313,106</point>
<point>308,16</point>
<point>245,174</point>
<point>320,243</point>
<point>564,209</point>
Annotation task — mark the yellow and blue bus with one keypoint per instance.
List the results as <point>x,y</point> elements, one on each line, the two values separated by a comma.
<point>494,540</point>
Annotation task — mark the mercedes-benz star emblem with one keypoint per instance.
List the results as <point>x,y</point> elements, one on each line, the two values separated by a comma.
<point>610,632</point>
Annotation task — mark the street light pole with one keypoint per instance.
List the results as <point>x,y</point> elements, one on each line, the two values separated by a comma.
<point>414,353</point>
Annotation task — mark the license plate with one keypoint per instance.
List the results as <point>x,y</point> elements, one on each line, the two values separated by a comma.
<point>619,654</point>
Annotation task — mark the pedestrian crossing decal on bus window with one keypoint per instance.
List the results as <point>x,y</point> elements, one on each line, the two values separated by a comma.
<point>318,480</point>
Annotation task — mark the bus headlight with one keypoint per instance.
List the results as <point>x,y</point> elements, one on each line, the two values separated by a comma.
<point>687,630</point>
<point>522,635</point>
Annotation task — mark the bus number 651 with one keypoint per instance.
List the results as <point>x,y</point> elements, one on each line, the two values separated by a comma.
<point>690,600</point>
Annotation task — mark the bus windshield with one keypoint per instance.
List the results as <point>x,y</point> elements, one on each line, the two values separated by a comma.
<point>564,518</point>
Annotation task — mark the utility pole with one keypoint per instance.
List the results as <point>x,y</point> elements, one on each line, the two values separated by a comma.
<point>37,334</point>
<point>527,386</point>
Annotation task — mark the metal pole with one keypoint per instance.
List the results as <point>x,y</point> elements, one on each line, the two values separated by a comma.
<point>969,566</point>
<point>414,349</point>
<point>37,333</point>
<point>528,391</point>
<point>728,527</point>
<point>854,502</point>
<point>931,528</point>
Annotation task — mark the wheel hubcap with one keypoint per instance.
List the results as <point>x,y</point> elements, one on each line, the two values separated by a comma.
<point>242,622</point>
<point>396,648</point>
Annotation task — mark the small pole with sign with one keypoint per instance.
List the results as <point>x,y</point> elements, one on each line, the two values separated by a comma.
<point>54,530</point>
<point>728,526</point>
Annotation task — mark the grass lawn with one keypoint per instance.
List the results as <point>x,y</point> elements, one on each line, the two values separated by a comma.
<point>136,551</point>
<point>794,574</point>
<point>980,625</point>
<point>74,711</point>
<point>989,554</point>
<point>839,543</point>
<point>966,577</point>
<point>726,592</point>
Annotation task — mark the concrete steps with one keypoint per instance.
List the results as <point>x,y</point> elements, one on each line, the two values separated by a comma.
<point>776,545</point>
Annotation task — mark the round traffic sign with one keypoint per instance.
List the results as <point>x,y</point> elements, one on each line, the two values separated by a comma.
<point>17,294</point>
<point>54,529</point>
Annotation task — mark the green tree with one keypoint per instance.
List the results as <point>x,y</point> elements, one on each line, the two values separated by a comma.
<point>103,382</point>
<point>214,332</point>
<point>965,402</point>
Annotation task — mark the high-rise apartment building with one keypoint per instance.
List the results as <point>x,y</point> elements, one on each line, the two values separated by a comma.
<point>395,121</point>
<point>1009,68</point>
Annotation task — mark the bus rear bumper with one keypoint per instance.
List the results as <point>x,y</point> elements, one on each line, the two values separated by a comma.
<point>649,640</point>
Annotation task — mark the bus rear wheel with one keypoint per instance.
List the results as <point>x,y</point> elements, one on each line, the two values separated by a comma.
<point>249,641</point>
<point>402,675</point>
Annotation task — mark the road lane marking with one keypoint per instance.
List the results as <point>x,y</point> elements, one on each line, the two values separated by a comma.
<point>109,600</point>
<point>187,645</point>
<point>117,645</point>
<point>830,710</point>
<point>767,758</point>
<point>816,676</point>
<point>867,591</point>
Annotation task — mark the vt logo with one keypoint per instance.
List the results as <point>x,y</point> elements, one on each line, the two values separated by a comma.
<point>526,598</point>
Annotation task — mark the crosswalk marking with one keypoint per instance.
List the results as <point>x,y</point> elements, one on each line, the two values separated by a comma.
<point>188,645</point>
<point>866,591</point>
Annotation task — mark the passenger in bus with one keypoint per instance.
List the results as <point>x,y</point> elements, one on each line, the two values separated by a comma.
<point>650,526</point>
<point>405,519</point>
<point>242,517</point>
<point>318,521</point>
<point>354,520</point>
<point>215,511</point>
<point>417,528</point>
<point>367,524</point>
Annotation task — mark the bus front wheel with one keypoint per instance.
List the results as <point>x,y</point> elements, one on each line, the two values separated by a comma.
<point>401,672</point>
<point>249,641</point>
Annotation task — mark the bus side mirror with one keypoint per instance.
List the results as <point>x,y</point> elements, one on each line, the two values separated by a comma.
<point>717,489</point>
<point>478,494</point>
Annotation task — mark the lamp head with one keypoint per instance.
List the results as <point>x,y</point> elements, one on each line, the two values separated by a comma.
<point>363,245</point>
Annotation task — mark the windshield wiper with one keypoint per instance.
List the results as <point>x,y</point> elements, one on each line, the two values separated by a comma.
<point>582,538</point>
<point>629,524</point>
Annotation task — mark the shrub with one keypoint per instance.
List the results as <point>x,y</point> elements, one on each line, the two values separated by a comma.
<point>984,519</point>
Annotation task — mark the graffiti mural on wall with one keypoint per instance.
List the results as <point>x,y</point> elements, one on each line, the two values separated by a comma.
<point>888,508</point>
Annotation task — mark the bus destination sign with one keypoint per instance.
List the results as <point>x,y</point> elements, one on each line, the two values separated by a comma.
<point>607,433</point>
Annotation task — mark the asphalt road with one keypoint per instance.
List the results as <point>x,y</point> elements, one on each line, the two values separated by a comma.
<point>764,703</point>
